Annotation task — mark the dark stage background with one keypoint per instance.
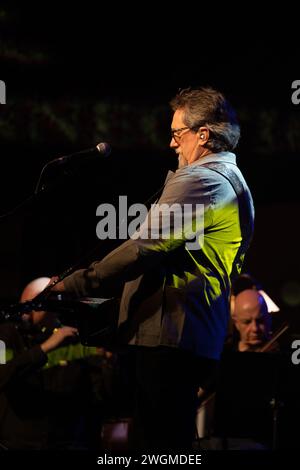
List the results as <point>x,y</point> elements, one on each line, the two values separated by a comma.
<point>75,77</point>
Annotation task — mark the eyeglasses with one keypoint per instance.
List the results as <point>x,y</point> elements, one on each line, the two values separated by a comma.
<point>174,132</point>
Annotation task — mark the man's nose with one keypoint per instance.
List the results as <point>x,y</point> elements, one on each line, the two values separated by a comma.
<point>26,317</point>
<point>173,143</point>
<point>254,326</point>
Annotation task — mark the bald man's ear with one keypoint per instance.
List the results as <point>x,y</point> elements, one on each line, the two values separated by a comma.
<point>235,322</point>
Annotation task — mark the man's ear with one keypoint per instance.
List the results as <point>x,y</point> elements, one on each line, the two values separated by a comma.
<point>235,322</point>
<point>203,135</point>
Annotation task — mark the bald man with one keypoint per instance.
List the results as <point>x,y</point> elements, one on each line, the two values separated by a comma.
<point>30,292</point>
<point>36,317</point>
<point>252,320</point>
<point>46,385</point>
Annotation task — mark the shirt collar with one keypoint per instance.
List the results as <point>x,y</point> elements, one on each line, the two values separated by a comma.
<point>224,157</point>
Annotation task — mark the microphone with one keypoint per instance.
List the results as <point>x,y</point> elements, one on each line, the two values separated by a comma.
<point>101,150</point>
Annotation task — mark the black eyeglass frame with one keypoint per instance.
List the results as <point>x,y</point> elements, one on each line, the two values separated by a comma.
<point>174,131</point>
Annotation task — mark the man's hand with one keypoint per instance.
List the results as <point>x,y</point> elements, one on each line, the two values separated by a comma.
<point>59,287</point>
<point>57,338</point>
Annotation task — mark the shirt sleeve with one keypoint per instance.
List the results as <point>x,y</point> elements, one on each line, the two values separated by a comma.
<point>158,235</point>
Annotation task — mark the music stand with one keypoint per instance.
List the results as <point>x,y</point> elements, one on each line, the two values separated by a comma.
<point>247,397</point>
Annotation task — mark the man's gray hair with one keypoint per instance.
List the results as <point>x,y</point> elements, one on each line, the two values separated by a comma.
<point>208,107</point>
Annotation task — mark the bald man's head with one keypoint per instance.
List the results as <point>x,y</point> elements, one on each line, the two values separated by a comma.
<point>32,289</point>
<point>251,319</point>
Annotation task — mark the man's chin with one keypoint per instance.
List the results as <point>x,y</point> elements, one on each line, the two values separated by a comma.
<point>255,342</point>
<point>181,161</point>
<point>27,325</point>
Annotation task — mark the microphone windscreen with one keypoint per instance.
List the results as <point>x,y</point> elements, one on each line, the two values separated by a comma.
<point>104,149</point>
